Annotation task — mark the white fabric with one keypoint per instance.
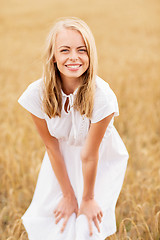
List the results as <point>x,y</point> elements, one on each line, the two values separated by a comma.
<point>71,130</point>
<point>31,99</point>
<point>105,102</point>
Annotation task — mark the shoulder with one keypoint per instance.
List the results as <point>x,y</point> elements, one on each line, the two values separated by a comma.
<point>36,85</point>
<point>103,91</point>
<point>31,98</point>
<point>33,92</point>
<point>101,84</point>
<point>105,101</point>
<point>35,88</point>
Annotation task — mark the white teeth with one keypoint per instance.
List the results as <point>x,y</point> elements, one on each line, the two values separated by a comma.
<point>73,66</point>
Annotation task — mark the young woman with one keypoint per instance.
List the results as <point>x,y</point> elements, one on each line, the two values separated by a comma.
<point>85,160</point>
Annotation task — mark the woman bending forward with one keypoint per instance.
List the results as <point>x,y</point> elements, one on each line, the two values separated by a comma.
<point>85,160</point>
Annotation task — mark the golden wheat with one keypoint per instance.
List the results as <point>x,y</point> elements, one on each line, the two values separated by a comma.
<point>127,35</point>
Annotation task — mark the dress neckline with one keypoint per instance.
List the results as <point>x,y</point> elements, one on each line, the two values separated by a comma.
<point>71,94</point>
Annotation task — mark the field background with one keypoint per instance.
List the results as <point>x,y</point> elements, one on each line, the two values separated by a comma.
<point>127,35</point>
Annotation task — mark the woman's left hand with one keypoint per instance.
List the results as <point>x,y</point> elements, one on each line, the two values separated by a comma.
<point>93,212</point>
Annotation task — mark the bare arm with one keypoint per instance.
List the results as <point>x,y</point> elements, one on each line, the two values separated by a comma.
<point>68,204</point>
<point>55,156</point>
<point>89,156</point>
<point>90,153</point>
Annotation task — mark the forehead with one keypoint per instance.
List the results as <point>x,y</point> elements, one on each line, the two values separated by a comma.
<point>69,37</point>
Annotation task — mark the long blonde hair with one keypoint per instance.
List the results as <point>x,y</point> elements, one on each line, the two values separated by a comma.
<point>52,95</point>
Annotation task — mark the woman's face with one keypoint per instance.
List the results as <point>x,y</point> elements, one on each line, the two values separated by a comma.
<point>71,54</point>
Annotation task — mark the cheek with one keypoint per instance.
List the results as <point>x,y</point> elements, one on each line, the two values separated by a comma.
<point>62,59</point>
<point>60,66</point>
<point>59,57</point>
<point>59,60</point>
<point>87,60</point>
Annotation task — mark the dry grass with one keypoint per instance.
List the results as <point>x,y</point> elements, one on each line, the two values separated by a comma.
<point>127,34</point>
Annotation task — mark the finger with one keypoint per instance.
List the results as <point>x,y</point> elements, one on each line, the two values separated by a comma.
<point>57,213</point>
<point>96,223</point>
<point>99,217</point>
<point>60,216</point>
<point>90,227</point>
<point>64,224</point>
<point>101,213</point>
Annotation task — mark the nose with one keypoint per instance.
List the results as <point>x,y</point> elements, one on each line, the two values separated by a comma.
<point>73,56</point>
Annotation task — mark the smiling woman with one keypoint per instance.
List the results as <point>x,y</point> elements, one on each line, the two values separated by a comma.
<point>71,58</point>
<point>70,42</point>
<point>73,110</point>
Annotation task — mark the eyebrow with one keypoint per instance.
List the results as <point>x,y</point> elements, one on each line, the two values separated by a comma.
<point>82,47</point>
<point>69,47</point>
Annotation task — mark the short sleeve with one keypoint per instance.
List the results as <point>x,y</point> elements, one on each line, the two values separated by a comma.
<point>31,99</point>
<point>105,103</point>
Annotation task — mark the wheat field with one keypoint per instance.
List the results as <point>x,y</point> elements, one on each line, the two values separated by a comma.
<point>127,35</point>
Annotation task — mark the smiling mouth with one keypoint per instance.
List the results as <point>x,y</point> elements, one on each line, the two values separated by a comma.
<point>75,66</point>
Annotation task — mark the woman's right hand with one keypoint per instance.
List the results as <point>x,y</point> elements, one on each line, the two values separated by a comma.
<point>67,205</point>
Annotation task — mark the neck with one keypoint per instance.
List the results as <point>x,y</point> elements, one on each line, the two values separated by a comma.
<point>69,85</point>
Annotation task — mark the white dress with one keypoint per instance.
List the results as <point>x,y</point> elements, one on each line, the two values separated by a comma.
<point>71,130</point>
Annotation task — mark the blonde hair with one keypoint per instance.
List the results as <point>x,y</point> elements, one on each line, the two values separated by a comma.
<point>52,95</point>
